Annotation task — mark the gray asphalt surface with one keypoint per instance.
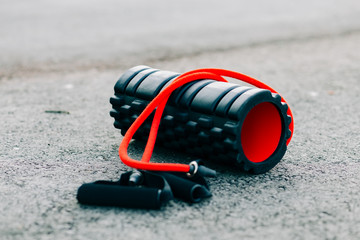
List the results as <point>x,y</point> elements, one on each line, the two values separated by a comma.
<point>67,57</point>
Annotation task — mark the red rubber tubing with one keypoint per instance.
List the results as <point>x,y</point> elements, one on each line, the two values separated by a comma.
<point>159,103</point>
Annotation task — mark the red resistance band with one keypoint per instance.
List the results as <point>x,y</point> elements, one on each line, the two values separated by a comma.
<point>159,103</point>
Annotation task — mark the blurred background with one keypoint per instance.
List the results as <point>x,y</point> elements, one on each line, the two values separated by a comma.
<point>69,34</point>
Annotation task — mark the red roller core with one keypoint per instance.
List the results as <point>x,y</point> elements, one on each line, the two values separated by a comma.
<point>261,131</point>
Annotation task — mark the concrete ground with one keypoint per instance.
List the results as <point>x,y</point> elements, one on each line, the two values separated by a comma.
<point>67,56</point>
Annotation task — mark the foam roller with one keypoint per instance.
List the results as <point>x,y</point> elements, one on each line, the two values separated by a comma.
<point>225,122</point>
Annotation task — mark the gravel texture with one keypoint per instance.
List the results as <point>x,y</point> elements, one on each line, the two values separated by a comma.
<point>56,133</point>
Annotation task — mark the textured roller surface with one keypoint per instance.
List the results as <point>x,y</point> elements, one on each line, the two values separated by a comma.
<point>204,117</point>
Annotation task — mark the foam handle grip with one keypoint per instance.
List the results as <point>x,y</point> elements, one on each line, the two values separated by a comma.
<point>103,193</point>
<point>225,122</point>
<point>185,189</point>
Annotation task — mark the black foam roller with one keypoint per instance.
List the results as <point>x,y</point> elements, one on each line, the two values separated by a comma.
<point>209,119</point>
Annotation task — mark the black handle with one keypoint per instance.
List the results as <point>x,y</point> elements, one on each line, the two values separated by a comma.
<point>108,194</point>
